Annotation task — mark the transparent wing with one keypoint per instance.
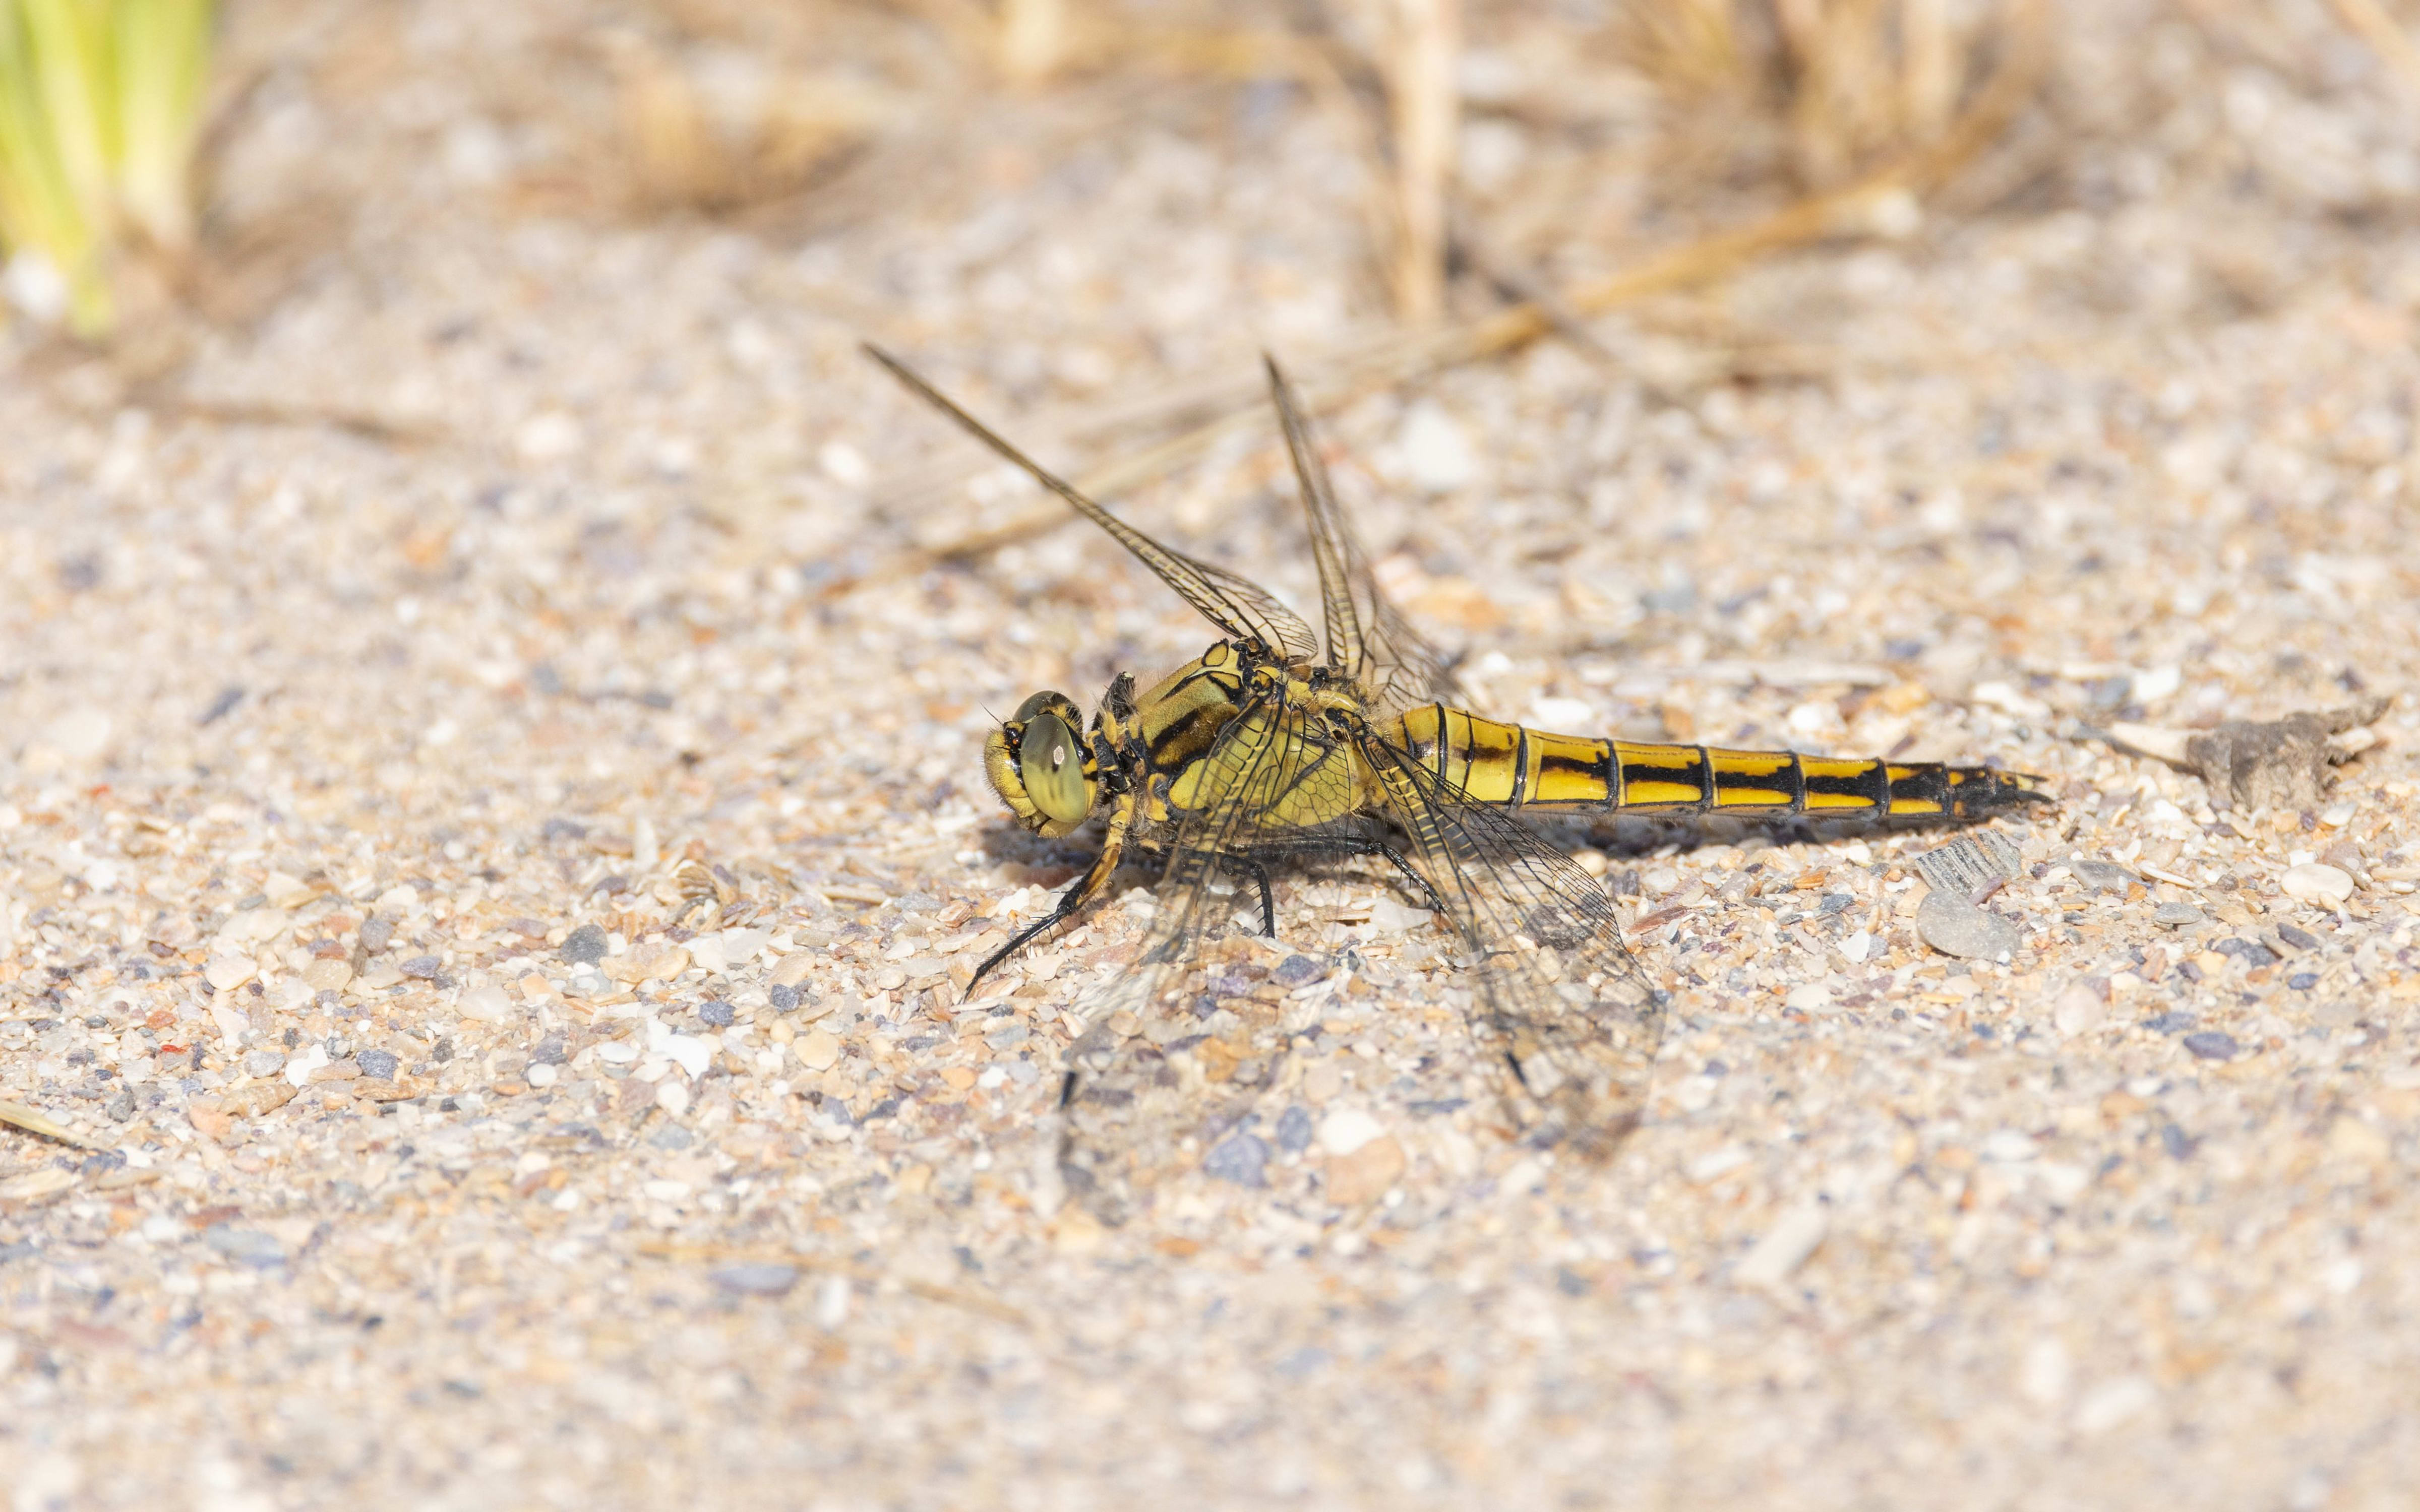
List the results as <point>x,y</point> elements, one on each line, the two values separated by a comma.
<point>1237,607</point>
<point>1162,1058</point>
<point>1367,635</point>
<point>1564,1001</point>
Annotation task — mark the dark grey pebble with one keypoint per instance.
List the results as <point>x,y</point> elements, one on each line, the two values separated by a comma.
<point>550,1051</point>
<point>1294,1130</point>
<point>1240,1158</point>
<point>1294,970</point>
<point>245,1246</point>
<point>421,966</point>
<point>761,1278</point>
<point>376,930</point>
<point>786,999</point>
<point>2302,982</point>
<point>378,1065</point>
<point>2211,1044</point>
<point>2178,1143</point>
<point>717,1013</point>
<point>2300,940</point>
<point>586,946</point>
<point>2175,1021</point>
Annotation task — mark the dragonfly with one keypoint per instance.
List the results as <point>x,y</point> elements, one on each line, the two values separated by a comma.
<point>1278,747</point>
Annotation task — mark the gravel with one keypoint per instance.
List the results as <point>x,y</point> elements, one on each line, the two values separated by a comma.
<point>586,587</point>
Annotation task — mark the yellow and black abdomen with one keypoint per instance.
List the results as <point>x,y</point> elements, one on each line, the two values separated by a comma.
<point>1522,768</point>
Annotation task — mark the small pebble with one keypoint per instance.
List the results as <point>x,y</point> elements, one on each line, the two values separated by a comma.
<point>1294,1130</point>
<point>2079,1011</point>
<point>378,1065</point>
<point>2177,915</point>
<point>818,1049</point>
<point>2103,876</point>
<point>489,1004</point>
<point>717,1013</point>
<point>376,930</point>
<point>1347,1130</point>
<point>2210,1045</point>
<point>2317,884</point>
<point>1239,1157</point>
<point>1434,451</point>
<point>263,1063</point>
<point>1953,926</point>
<point>245,1246</point>
<point>784,997</point>
<point>2299,939</point>
<point>586,946</point>
<point>420,967</point>
<point>764,1279</point>
<point>2176,1021</point>
<point>1294,970</point>
<point>2302,982</point>
<point>1793,1237</point>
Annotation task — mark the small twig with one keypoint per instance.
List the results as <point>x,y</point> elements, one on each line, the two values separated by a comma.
<point>973,1301</point>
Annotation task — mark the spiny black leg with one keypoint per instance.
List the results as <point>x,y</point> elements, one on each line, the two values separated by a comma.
<point>1268,901</point>
<point>1359,846</point>
<point>1069,902</point>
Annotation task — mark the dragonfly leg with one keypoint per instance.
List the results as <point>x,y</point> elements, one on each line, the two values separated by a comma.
<point>1071,902</point>
<point>1268,900</point>
<point>1360,846</point>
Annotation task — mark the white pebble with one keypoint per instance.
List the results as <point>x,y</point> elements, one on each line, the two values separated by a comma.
<point>2114,1404</point>
<point>228,972</point>
<point>2316,883</point>
<point>2079,1011</point>
<point>671,1095</point>
<point>1347,1130</point>
<point>299,1070</point>
<point>1810,998</point>
<point>1784,1248</point>
<point>2046,1372</point>
<point>831,1301</point>
<point>1436,452</point>
<point>488,1005</point>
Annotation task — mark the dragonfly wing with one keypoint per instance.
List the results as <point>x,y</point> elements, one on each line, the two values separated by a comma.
<point>1145,1084</point>
<point>1236,606</point>
<point>1367,635</point>
<point>1562,998</point>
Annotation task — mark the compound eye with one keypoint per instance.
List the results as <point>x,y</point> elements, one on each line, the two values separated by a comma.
<point>1052,765</point>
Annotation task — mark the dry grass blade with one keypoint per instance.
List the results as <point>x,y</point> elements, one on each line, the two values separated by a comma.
<point>1422,107</point>
<point>2385,37</point>
<point>1891,196</point>
<point>34,1122</point>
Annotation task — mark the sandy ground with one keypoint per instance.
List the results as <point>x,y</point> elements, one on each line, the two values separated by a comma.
<point>491,837</point>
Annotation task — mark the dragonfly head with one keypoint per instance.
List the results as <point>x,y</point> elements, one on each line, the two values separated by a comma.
<point>1038,766</point>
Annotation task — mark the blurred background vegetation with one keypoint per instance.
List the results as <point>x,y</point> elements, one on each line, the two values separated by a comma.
<point>1523,166</point>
